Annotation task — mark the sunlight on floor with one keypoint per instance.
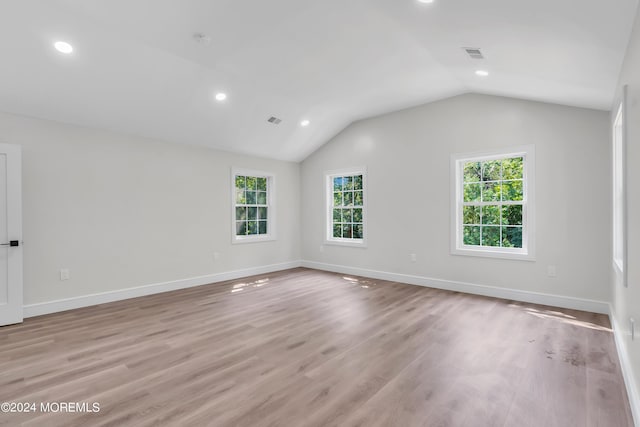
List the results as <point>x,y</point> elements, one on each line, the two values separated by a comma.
<point>560,316</point>
<point>239,287</point>
<point>363,283</point>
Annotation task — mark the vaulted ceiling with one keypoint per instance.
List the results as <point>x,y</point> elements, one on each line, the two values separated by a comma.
<point>136,67</point>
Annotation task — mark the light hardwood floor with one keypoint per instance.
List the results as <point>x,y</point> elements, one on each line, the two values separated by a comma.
<point>309,348</point>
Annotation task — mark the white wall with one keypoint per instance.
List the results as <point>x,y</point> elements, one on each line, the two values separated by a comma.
<point>626,301</point>
<point>408,158</point>
<point>122,211</point>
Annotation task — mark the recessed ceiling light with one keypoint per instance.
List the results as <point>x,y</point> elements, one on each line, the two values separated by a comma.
<point>221,96</point>
<point>425,1</point>
<point>482,73</point>
<point>63,47</point>
<point>305,123</point>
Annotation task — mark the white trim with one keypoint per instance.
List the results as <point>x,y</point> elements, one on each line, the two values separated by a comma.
<point>620,266</point>
<point>39,309</point>
<point>527,253</point>
<point>469,288</point>
<point>625,366</point>
<point>271,215</point>
<point>12,311</point>
<point>328,183</point>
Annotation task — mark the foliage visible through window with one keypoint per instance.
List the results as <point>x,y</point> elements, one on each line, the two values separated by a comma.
<point>347,207</point>
<point>493,194</point>
<point>252,205</point>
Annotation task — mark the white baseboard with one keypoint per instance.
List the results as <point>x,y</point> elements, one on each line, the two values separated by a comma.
<point>39,309</point>
<point>469,288</point>
<point>625,365</point>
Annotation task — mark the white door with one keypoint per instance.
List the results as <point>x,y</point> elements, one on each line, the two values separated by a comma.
<point>10,234</point>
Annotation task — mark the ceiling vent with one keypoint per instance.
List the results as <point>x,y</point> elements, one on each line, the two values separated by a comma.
<point>474,52</point>
<point>202,38</point>
<point>274,120</point>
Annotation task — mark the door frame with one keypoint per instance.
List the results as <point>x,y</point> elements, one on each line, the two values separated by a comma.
<point>13,311</point>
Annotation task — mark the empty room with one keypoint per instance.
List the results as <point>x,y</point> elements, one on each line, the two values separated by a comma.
<point>336,213</point>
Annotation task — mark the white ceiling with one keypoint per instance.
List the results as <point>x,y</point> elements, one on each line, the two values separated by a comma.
<point>137,69</point>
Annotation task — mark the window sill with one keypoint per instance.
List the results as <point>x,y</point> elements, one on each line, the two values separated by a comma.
<point>348,243</point>
<point>252,239</point>
<point>518,256</point>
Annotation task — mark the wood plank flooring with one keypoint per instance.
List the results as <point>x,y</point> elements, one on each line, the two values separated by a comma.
<point>309,348</point>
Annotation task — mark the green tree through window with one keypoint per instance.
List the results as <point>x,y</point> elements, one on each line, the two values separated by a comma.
<point>251,205</point>
<point>347,207</point>
<point>492,208</point>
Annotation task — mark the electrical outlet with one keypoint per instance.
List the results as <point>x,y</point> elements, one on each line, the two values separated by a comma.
<point>216,256</point>
<point>321,248</point>
<point>413,257</point>
<point>551,271</point>
<point>64,274</point>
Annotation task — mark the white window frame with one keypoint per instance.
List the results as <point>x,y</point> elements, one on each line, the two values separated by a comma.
<point>328,183</point>
<point>619,191</point>
<point>527,252</point>
<point>271,197</point>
